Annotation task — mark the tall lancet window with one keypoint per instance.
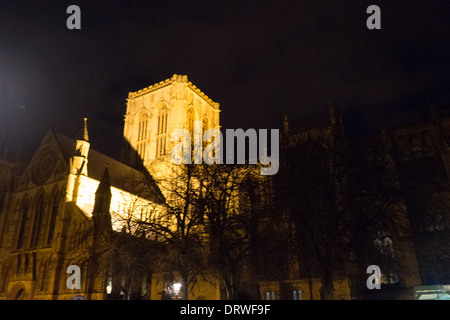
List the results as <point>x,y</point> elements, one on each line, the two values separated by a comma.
<point>161,133</point>
<point>23,221</point>
<point>54,214</point>
<point>190,117</point>
<point>205,126</point>
<point>142,136</point>
<point>35,233</point>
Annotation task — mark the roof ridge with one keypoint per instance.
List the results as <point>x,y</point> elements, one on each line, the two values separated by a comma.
<point>91,149</point>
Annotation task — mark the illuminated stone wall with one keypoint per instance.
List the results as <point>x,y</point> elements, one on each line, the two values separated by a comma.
<point>180,99</point>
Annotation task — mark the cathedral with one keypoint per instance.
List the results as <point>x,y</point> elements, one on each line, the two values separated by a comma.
<point>51,206</point>
<point>69,204</point>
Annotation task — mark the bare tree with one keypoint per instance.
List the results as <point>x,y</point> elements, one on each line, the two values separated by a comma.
<point>228,223</point>
<point>347,206</point>
<point>119,252</point>
<point>310,190</point>
<point>422,168</point>
<point>178,227</point>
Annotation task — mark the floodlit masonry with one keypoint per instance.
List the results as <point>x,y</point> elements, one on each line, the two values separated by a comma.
<point>213,152</point>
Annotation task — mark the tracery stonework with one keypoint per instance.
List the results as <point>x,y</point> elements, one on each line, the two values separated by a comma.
<point>166,106</point>
<point>44,165</point>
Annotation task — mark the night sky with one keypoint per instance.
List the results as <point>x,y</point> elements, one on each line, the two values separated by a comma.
<point>258,59</point>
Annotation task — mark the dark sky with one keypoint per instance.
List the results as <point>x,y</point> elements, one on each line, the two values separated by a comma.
<point>258,59</point>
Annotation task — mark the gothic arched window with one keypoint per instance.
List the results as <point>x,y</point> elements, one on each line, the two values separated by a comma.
<point>44,276</point>
<point>23,220</point>
<point>161,133</point>
<point>190,117</point>
<point>54,213</point>
<point>142,136</point>
<point>37,221</point>
<point>205,124</point>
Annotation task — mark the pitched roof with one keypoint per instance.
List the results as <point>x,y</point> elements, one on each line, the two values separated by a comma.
<point>121,175</point>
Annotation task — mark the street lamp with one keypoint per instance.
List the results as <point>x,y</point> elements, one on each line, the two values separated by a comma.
<point>176,289</point>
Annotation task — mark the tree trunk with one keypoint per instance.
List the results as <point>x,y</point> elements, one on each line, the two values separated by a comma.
<point>231,282</point>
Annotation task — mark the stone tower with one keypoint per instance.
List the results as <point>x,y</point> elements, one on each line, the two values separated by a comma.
<point>153,113</point>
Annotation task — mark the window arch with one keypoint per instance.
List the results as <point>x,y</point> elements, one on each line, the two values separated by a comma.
<point>23,221</point>
<point>53,215</point>
<point>205,127</point>
<point>39,212</point>
<point>190,118</point>
<point>205,124</point>
<point>142,135</point>
<point>44,269</point>
<point>161,133</point>
<point>270,295</point>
